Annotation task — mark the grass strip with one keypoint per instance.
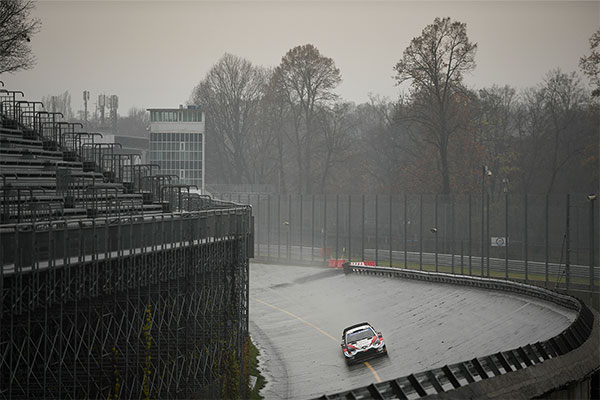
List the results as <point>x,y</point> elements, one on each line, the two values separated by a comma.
<point>253,371</point>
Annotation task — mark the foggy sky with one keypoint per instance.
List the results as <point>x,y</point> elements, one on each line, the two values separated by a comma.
<point>153,53</point>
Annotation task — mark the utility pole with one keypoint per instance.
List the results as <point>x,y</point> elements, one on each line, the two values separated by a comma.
<point>86,97</point>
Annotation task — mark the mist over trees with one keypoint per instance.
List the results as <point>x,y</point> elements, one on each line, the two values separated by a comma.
<point>287,127</point>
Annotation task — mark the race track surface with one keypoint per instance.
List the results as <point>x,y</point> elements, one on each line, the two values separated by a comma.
<point>297,314</point>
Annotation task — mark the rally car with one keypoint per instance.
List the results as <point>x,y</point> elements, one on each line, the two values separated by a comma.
<point>361,342</point>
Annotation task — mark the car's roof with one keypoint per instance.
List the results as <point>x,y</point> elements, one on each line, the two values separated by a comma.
<point>355,327</point>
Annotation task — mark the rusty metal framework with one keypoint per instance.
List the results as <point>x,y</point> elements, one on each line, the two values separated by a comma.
<point>105,292</point>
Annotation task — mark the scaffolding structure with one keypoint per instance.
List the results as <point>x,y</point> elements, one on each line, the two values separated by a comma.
<point>114,295</point>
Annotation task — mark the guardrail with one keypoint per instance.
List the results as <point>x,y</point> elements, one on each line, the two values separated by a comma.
<point>458,376</point>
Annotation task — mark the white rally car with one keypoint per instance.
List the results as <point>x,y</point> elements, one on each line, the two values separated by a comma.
<point>361,342</point>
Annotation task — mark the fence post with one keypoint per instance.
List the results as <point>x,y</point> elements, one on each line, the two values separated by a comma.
<point>452,231</point>
<point>376,229</point>
<point>278,226</point>
<point>546,239</point>
<point>405,232</point>
<point>312,228</point>
<point>324,226</point>
<point>349,227</point>
<point>269,225</point>
<point>257,227</point>
<point>470,237</point>
<point>568,246</point>
<point>592,198</point>
<point>289,229</point>
<point>390,232</point>
<point>301,223</point>
<point>487,236</point>
<point>337,226</point>
<point>506,235</point>
<point>421,232</point>
<point>525,240</point>
<point>483,223</point>
<point>435,232</point>
<point>363,229</point>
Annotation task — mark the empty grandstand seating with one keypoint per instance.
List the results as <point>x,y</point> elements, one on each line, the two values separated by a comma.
<point>51,169</point>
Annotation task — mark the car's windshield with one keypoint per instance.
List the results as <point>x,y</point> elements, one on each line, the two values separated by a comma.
<point>359,335</point>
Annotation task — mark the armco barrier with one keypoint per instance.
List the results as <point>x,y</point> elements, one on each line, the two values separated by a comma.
<point>562,363</point>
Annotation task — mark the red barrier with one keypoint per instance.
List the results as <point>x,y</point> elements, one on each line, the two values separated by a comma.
<point>370,263</point>
<point>333,263</point>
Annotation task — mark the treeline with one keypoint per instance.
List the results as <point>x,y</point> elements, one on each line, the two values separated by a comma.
<point>285,126</point>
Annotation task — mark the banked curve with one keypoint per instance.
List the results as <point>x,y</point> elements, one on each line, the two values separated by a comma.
<point>524,372</point>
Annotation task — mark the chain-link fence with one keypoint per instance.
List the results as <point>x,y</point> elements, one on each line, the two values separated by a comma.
<point>551,240</point>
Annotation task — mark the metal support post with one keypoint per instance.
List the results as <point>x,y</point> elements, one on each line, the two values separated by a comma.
<point>324,227</point>
<point>376,229</point>
<point>337,226</point>
<point>279,226</point>
<point>568,244</point>
<point>525,239</point>
<point>269,225</point>
<point>312,228</point>
<point>487,236</point>
<point>362,247</point>
<point>546,239</point>
<point>506,235</point>
<point>390,229</point>
<point>591,199</point>
<point>349,227</point>
<point>435,230</point>
<point>405,231</point>
<point>470,236</point>
<point>421,232</point>
<point>301,224</point>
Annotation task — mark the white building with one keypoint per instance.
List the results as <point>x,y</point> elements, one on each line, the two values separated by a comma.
<point>177,143</point>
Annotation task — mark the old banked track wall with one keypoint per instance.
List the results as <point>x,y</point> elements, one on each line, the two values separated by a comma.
<point>128,307</point>
<point>565,366</point>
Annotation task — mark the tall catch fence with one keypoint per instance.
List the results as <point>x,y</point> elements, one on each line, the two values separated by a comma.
<point>548,240</point>
<point>115,281</point>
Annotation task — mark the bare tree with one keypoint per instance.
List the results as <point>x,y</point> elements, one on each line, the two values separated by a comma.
<point>496,127</point>
<point>564,97</point>
<point>590,65</point>
<point>384,143</point>
<point>335,127</point>
<point>231,94</point>
<point>434,63</point>
<point>59,103</point>
<point>16,30</point>
<point>136,123</point>
<point>305,79</point>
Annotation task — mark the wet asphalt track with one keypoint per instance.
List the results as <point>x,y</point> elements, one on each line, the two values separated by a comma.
<point>297,314</point>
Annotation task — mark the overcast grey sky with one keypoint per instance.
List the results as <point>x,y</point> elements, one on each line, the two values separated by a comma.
<point>153,53</point>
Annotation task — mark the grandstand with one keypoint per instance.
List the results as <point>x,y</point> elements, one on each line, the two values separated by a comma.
<point>116,280</point>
